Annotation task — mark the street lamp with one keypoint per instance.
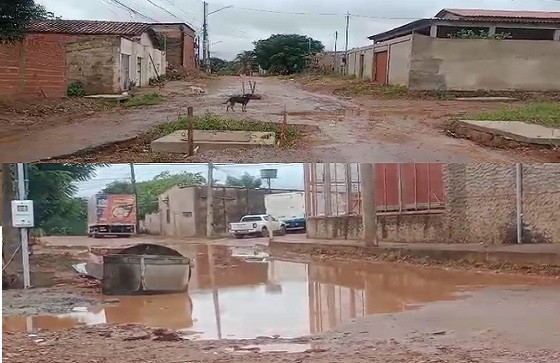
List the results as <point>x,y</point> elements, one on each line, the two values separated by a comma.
<point>220,9</point>
<point>205,33</point>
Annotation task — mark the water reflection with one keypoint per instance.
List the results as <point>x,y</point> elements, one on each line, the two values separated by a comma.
<point>237,294</point>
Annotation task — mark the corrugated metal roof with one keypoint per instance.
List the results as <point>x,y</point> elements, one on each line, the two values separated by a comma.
<point>497,14</point>
<point>88,27</point>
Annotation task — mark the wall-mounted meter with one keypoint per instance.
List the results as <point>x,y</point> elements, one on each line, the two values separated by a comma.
<point>22,214</point>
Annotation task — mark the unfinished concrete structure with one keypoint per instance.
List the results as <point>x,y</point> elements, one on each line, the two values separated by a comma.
<point>105,56</point>
<point>182,210</point>
<point>466,50</point>
<point>178,43</point>
<point>445,203</point>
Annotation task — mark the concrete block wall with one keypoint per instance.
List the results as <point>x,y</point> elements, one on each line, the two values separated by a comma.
<point>541,203</point>
<point>93,60</point>
<point>418,228</point>
<point>482,203</point>
<point>481,207</point>
<point>35,68</point>
<point>481,64</point>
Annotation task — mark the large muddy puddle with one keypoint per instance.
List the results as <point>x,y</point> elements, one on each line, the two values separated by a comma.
<point>242,294</point>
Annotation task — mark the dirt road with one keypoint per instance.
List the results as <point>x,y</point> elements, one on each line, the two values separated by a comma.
<point>359,130</point>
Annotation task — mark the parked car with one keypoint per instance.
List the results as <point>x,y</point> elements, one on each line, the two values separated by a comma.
<point>257,225</point>
<point>289,208</point>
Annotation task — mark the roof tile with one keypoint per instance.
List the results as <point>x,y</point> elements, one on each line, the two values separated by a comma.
<point>88,27</point>
<point>481,13</point>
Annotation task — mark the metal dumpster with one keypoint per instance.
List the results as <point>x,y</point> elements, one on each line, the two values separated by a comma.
<point>139,274</point>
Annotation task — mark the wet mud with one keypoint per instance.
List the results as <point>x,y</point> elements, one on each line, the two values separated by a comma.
<point>344,130</point>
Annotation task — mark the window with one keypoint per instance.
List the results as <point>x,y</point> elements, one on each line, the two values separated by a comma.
<point>252,219</point>
<point>528,34</point>
<point>187,214</point>
<point>168,216</point>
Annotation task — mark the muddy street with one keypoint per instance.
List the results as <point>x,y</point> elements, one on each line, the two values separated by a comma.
<point>347,130</point>
<point>244,303</point>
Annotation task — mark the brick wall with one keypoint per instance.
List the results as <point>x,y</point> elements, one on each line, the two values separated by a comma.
<point>179,45</point>
<point>35,68</point>
<point>189,60</point>
<point>93,61</point>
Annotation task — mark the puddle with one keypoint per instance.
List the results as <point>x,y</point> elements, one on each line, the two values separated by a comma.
<point>237,294</point>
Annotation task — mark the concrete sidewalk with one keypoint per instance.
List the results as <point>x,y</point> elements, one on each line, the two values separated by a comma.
<point>541,254</point>
<point>518,131</point>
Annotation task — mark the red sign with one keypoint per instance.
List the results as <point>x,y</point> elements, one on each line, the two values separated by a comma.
<point>116,209</point>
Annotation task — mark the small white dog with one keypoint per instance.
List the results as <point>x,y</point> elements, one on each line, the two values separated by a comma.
<point>197,90</point>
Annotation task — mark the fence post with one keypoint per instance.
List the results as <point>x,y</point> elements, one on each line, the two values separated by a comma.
<point>519,197</point>
<point>369,213</point>
<point>190,114</point>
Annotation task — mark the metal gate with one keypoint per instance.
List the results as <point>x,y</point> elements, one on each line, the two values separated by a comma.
<point>333,189</point>
<point>381,67</point>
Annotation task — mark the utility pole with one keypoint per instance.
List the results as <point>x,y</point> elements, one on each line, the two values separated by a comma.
<point>210,203</point>
<point>336,51</point>
<point>22,195</point>
<point>205,45</point>
<point>347,39</point>
<point>369,213</point>
<point>135,190</point>
<point>198,49</point>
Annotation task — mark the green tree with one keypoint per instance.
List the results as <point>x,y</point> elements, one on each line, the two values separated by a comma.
<point>15,16</point>
<point>148,191</point>
<point>286,53</point>
<point>245,62</point>
<point>218,64</point>
<point>245,181</point>
<point>52,188</point>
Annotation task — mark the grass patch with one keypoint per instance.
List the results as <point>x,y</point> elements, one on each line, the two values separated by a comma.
<point>545,114</point>
<point>145,99</point>
<point>367,88</point>
<point>221,123</point>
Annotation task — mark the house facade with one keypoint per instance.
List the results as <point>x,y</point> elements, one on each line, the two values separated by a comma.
<point>182,210</point>
<point>178,43</point>
<point>105,56</point>
<point>434,202</point>
<point>466,50</point>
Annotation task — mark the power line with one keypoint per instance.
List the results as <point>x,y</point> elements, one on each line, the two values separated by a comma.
<point>134,11</point>
<point>164,9</point>
<point>182,10</point>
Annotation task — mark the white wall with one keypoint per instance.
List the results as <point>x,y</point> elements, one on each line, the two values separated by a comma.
<point>399,62</point>
<point>142,49</point>
<point>354,56</point>
<point>484,64</point>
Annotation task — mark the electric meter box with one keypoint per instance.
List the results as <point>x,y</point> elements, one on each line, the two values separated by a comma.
<point>22,214</point>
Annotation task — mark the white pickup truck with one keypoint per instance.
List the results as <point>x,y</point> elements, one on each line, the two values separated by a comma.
<point>257,225</point>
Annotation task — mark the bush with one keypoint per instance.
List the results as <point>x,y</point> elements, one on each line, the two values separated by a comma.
<point>145,99</point>
<point>76,89</point>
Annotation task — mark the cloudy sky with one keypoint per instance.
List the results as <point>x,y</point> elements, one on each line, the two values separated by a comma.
<point>234,29</point>
<point>290,176</point>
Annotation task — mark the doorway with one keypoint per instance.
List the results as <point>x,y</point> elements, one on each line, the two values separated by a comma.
<point>381,62</point>
<point>362,65</point>
<point>139,72</point>
<point>125,72</point>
